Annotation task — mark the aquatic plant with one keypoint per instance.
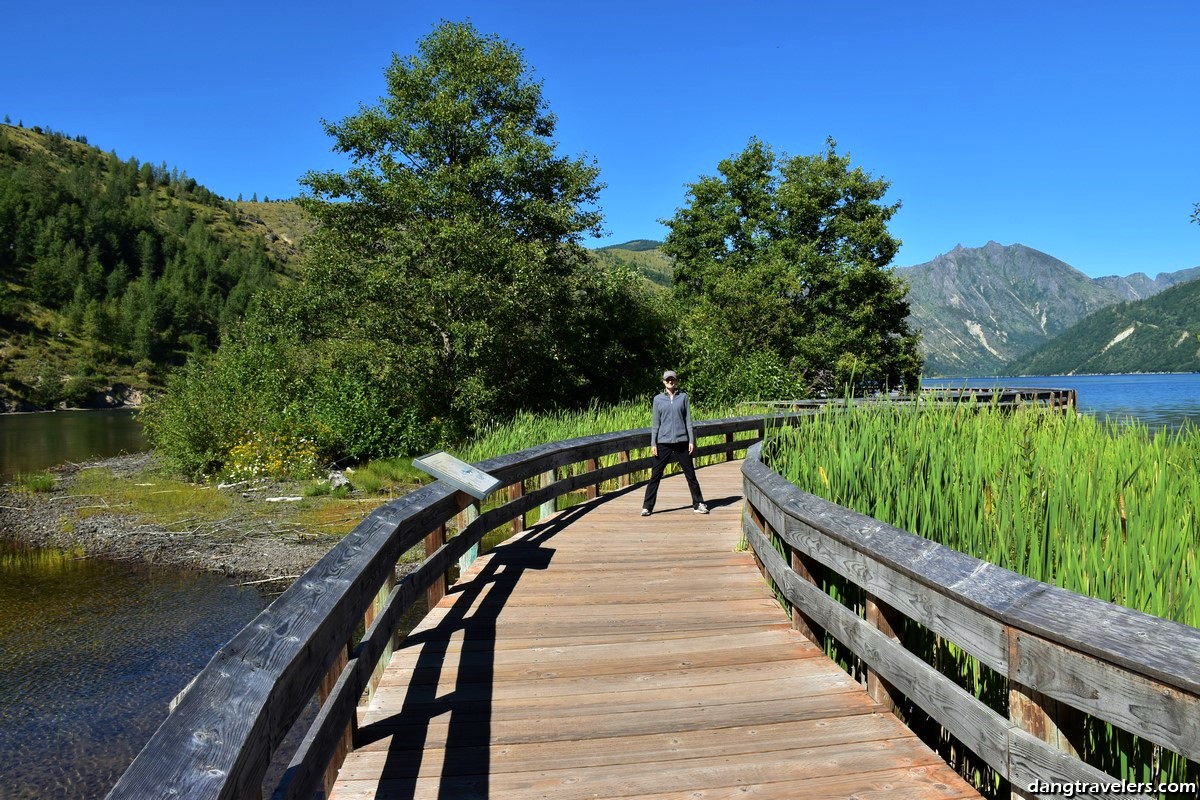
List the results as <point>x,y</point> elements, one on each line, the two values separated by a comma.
<point>38,482</point>
<point>1101,508</point>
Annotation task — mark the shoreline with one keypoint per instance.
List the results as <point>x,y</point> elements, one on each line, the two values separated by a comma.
<point>252,551</point>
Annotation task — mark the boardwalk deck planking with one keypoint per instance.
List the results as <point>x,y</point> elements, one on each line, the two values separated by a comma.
<point>602,654</point>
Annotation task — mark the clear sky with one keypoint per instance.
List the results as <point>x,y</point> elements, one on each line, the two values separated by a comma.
<point>1070,126</point>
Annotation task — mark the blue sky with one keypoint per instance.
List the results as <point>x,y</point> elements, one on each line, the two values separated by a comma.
<point>1070,127</point>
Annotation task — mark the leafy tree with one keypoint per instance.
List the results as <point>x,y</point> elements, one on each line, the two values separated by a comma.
<point>452,243</point>
<point>781,267</point>
<point>443,287</point>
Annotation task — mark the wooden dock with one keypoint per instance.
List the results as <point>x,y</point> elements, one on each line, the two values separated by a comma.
<point>602,654</point>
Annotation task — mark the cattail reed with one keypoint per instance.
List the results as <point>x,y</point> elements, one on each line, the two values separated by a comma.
<point>1100,508</point>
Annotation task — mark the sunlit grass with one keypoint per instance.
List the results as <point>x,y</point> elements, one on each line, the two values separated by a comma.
<point>1099,508</point>
<point>36,482</point>
<point>387,476</point>
<point>1104,510</point>
<point>335,516</point>
<point>528,430</point>
<point>165,500</point>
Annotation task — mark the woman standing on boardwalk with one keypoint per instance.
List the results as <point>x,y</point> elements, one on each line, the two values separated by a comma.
<point>671,437</point>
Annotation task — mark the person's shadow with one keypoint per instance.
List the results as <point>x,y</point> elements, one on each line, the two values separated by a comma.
<point>471,623</point>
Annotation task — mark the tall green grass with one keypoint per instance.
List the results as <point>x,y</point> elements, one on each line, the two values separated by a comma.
<point>35,482</point>
<point>1098,508</point>
<point>528,429</point>
<point>1104,510</point>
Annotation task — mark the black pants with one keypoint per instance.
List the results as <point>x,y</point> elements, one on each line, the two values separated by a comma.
<point>666,452</point>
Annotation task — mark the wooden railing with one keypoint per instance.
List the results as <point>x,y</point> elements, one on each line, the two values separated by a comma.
<point>1003,397</point>
<point>219,740</point>
<point>1063,655</point>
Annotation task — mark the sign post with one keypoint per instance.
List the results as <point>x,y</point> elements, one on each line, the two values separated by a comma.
<point>465,478</point>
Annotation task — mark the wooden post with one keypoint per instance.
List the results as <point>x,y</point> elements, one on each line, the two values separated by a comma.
<point>886,620</point>
<point>465,518</point>
<point>1043,717</point>
<point>515,492</point>
<point>761,524</point>
<point>623,458</point>
<point>346,742</point>
<point>373,611</point>
<point>729,452</point>
<point>593,489</point>
<point>546,508</point>
<point>437,589</point>
<point>807,569</point>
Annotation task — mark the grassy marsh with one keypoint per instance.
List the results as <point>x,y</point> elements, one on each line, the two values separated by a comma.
<point>1105,510</point>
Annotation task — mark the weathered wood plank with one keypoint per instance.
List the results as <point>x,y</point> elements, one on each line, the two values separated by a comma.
<point>1063,646</point>
<point>1155,648</point>
<point>1167,717</point>
<point>832,766</point>
<point>978,727</point>
<point>655,748</point>
<point>970,629</point>
<point>244,696</point>
<point>590,690</point>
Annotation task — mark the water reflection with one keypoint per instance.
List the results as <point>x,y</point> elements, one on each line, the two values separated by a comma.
<point>91,652</point>
<point>33,442</point>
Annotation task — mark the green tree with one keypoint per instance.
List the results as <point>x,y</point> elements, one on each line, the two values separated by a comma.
<point>782,269</point>
<point>444,286</point>
<point>452,243</point>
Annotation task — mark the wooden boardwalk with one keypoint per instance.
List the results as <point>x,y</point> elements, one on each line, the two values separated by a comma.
<point>602,654</point>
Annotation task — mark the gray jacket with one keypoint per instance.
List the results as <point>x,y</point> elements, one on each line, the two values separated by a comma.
<point>671,419</point>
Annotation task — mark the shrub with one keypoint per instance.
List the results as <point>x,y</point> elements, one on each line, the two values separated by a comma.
<point>271,455</point>
<point>36,481</point>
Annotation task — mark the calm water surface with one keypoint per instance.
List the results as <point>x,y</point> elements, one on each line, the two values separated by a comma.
<point>33,442</point>
<point>1159,401</point>
<point>91,653</point>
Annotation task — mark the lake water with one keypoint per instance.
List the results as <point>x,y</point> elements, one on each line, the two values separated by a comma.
<point>1159,401</point>
<point>91,653</point>
<point>33,442</point>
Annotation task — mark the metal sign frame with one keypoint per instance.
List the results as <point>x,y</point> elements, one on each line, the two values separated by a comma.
<point>458,473</point>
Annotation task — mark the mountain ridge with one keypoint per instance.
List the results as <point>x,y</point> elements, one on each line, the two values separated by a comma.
<point>982,308</point>
<point>1156,334</point>
<point>113,271</point>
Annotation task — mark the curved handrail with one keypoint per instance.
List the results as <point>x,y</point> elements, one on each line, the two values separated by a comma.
<point>219,739</point>
<point>1003,397</point>
<point>1063,653</point>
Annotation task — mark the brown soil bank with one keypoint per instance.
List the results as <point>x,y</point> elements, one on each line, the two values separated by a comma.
<point>251,540</point>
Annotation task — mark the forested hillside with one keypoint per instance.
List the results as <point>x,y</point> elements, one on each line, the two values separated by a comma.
<point>112,270</point>
<point>981,307</point>
<point>1159,334</point>
<point>641,255</point>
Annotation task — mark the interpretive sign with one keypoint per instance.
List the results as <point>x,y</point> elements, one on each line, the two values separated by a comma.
<point>458,474</point>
